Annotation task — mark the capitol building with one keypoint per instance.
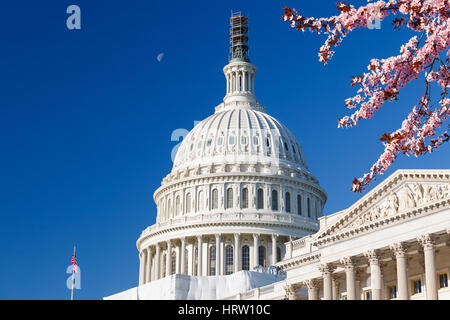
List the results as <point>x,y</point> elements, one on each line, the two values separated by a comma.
<point>240,216</point>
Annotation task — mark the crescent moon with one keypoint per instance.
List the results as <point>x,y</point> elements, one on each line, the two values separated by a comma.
<point>160,57</point>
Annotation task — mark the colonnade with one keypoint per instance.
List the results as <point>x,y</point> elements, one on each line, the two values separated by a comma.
<point>423,248</point>
<point>186,255</point>
<point>240,81</point>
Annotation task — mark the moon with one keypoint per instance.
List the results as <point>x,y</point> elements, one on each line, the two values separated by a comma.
<point>160,57</point>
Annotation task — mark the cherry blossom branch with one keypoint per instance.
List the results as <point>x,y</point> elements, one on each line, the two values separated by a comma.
<point>386,77</point>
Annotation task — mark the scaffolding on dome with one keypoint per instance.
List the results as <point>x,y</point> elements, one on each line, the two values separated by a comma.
<point>238,36</point>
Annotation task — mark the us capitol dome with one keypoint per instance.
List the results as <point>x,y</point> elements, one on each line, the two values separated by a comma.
<point>239,188</point>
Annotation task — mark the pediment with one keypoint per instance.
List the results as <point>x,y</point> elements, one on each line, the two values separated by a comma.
<point>402,192</point>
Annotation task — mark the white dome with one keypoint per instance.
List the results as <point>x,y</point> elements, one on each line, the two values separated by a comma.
<point>240,135</point>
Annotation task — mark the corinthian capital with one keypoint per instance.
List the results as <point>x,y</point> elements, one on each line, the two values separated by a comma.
<point>399,249</point>
<point>326,268</point>
<point>372,256</point>
<point>348,262</point>
<point>311,284</point>
<point>426,241</point>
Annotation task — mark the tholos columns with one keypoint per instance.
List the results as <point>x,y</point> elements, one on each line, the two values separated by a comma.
<point>274,249</point>
<point>313,288</point>
<point>255,250</point>
<point>168,258</point>
<point>236,252</point>
<point>349,265</point>
<point>200,256</point>
<point>327,270</point>
<point>427,243</point>
<point>157,261</point>
<point>402,270</point>
<point>148,267</point>
<point>375,274</point>
<point>141,266</point>
<point>218,256</point>
<point>183,256</point>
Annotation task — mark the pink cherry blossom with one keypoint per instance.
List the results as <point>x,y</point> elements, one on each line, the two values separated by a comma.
<point>426,54</point>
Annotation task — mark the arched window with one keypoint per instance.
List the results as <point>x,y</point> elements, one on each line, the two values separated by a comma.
<point>288,202</point>
<point>309,207</point>
<point>215,199</point>
<point>188,203</point>
<point>212,261</point>
<point>200,200</point>
<point>177,206</point>
<point>245,198</point>
<point>245,258</point>
<point>229,260</point>
<point>173,261</point>
<point>299,204</point>
<point>278,254</point>
<point>262,256</point>
<point>274,200</point>
<point>260,199</point>
<point>229,198</point>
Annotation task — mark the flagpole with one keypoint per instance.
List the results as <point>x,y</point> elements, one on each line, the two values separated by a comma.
<point>73,275</point>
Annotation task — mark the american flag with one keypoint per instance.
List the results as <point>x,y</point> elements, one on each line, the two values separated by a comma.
<point>74,263</point>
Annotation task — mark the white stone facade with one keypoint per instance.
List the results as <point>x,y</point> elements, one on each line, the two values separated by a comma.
<point>240,194</point>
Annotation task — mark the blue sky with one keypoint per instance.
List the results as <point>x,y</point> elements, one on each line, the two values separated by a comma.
<point>86,118</point>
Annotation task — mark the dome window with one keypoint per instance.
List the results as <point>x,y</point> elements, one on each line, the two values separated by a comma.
<point>286,146</point>
<point>209,142</point>
<point>268,141</point>
<point>255,140</point>
<point>192,146</point>
<point>244,140</point>
<point>220,141</point>
<point>231,140</point>
<point>293,148</point>
<point>274,200</point>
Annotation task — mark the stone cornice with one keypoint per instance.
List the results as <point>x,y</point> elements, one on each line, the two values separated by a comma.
<point>298,261</point>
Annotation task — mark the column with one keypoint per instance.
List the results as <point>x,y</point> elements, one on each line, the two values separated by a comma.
<point>157,261</point>
<point>183,256</point>
<point>274,249</point>
<point>255,250</point>
<point>313,288</point>
<point>228,82</point>
<point>148,267</point>
<point>427,242</point>
<point>244,83</point>
<point>218,256</point>
<point>141,267</point>
<point>200,256</point>
<point>237,245</point>
<point>335,281</point>
<point>327,270</point>
<point>192,262</point>
<point>291,291</point>
<point>169,258</point>
<point>177,260</point>
<point>349,265</point>
<point>375,274</point>
<point>402,272</point>
<point>358,285</point>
